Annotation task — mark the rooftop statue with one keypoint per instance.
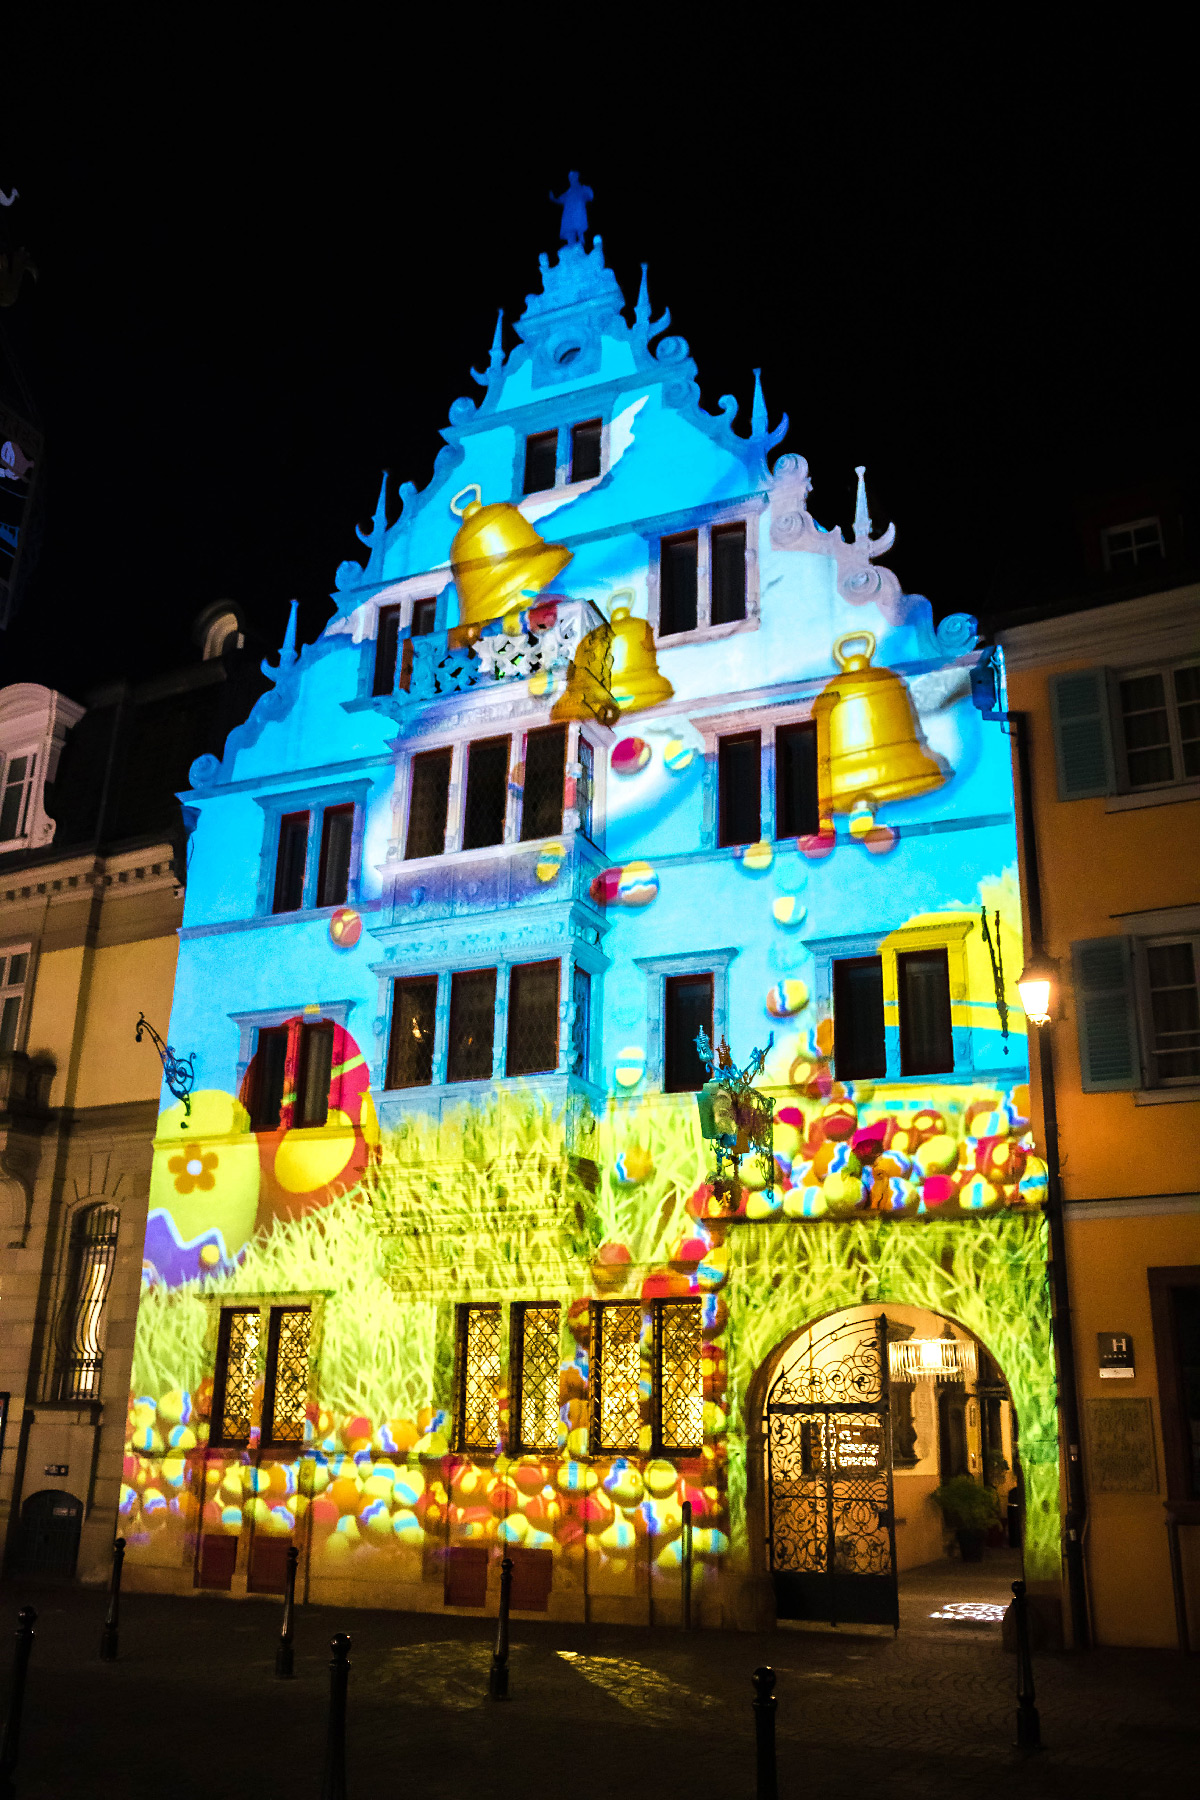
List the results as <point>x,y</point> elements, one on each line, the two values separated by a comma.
<point>574,203</point>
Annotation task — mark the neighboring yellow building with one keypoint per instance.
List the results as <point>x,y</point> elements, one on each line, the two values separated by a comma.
<point>1111,698</point>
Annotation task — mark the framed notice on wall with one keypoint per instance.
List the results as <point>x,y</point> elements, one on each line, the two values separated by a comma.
<point>1122,1458</point>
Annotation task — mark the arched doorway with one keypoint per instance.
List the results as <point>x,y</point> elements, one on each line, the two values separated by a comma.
<point>50,1525</point>
<point>860,1417</point>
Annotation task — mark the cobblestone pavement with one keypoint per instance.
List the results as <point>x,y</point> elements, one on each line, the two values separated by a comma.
<point>193,1708</point>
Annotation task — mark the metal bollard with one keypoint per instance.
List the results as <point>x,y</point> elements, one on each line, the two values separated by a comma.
<point>10,1744</point>
<point>686,1564</point>
<point>1029,1726</point>
<point>498,1677</point>
<point>283,1655</point>
<point>110,1635</point>
<point>766,1785</point>
<point>333,1782</point>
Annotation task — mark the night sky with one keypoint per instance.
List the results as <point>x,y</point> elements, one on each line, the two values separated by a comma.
<point>267,265</point>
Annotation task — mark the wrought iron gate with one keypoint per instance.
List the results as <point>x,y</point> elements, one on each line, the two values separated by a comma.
<point>831,1529</point>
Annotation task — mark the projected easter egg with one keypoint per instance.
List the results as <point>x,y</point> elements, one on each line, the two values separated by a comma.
<point>805,1203</point>
<point>637,885</point>
<point>304,1167</point>
<point>204,1184</point>
<point>539,683</point>
<point>630,1066</point>
<point>818,845</point>
<point>345,928</point>
<point>787,998</point>
<point>788,912</point>
<point>764,1205</point>
<point>1034,1183</point>
<point>632,1165</point>
<point>550,861</point>
<point>979,1195</point>
<point>937,1156</point>
<point>757,858</point>
<point>630,756</point>
<point>678,756</point>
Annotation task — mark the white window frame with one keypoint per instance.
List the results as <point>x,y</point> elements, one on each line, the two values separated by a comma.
<point>20,991</point>
<point>28,807</point>
<point>1167,670</point>
<point>705,632</point>
<point>1131,526</point>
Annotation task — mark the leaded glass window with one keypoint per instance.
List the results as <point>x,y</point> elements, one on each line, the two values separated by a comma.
<point>581,1021</point>
<point>680,1371</point>
<point>286,1399</point>
<point>535,1364</point>
<point>532,1019</point>
<point>616,1370</point>
<point>237,1373</point>
<point>479,1374</point>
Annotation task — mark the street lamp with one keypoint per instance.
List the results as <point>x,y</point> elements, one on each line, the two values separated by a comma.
<point>1037,985</point>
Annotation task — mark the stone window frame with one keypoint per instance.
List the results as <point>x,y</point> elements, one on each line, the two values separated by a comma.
<point>889,944</point>
<point>249,1024</point>
<point>747,512</point>
<point>766,721</point>
<point>656,970</point>
<point>315,801</point>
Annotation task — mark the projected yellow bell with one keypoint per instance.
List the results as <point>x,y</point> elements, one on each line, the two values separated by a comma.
<point>636,682</point>
<point>497,556</point>
<point>588,693</point>
<point>870,746</point>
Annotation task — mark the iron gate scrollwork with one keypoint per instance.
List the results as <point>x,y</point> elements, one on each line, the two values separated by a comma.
<point>831,1530</point>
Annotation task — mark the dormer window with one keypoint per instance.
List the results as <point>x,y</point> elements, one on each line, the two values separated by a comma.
<point>562,458</point>
<point>1132,545</point>
<point>705,581</point>
<point>17,774</point>
<point>585,450</point>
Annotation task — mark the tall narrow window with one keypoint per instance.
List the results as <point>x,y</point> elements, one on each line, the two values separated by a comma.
<point>926,1039</point>
<point>739,797</point>
<point>337,837</point>
<point>689,1009</point>
<point>535,1360</point>
<point>545,767</point>
<point>236,1375</point>
<point>859,1045</point>
<point>424,617</point>
<point>387,640</point>
<point>796,808</point>
<point>1185,1323</point>
<point>16,796</point>
<point>581,1022</point>
<point>541,456</point>
<point>14,968</point>
<point>429,795</point>
<point>533,1019</point>
<point>1160,722</point>
<point>414,1016</point>
<point>487,793</point>
<point>678,563</point>
<point>584,785</point>
<point>1174,1011</point>
<point>92,1258</point>
<point>585,451</point>
<point>270,1070</point>
<point>472,1025</point>
<point>478,1411</point>
<point>290,863</point>
<point>679,1372</point>
<point>285,1394</point>
<point>728,574</point>
<point>315,1073</point>
<point>616,1367</point>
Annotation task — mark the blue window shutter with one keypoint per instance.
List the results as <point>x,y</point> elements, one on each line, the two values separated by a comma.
<point>1104,1014</point>
<point>1082,735</point>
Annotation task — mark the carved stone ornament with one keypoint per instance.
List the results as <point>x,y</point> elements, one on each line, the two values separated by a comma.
<point>794,528</point>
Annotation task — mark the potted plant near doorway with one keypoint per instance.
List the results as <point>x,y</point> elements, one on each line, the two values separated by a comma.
<point>969,1509</point>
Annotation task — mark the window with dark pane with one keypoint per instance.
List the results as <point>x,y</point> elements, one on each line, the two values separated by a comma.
<point>679,1377</point>
<point>387,642</point>
<point>414,1017</point>
<point>424,617</point>
<point>270,1070</point>
<point>290,862</point>
<point>1174,1010</point>
<point>585,785</point>
<point>545,767</point>
<point>285,1394</point>
<point>859,1046</point>
<point>1128,546</point>
<point>796,809</point>
<point>616,1367</point>
<point>487,793</point>
<point>728,574</point>
<point>13,970</point>
<point>739,789</point>
<point>315,1074</point>
<point>91,1260</point>
<point>236,1375</point>
<point>677,581</point>
<point>17,796</point>
<point>1185,1332</point>
<point>1187,706</point>
<point>689,1009</point>
<point>333,873</point>
<point>533,1018</point>
<point>535,1362</point>
<point>472,1025</point>
<point>585,450</point>
<point>581,1022</point>
<point>1147,728</point>
<point>478,1411</point>
<point>428,797</point>
<point>926,1038</point>
<point>541,459</point>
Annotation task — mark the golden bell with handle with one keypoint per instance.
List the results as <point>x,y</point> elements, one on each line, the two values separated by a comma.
<point>636,681</point>
<point>497,556</point>
<point>588,693</point>
<point>869,745</point>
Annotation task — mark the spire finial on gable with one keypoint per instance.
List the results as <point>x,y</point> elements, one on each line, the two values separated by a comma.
<point>287,651</point>
<point>760,426</point>
<point>641,312</point>
<point>496,354</point>
<point>375,539</point>
<point>862,517</point>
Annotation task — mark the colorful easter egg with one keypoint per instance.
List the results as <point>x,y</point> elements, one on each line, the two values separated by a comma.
<point>1034,1183</point>
<point>937,1156</point>
<point>764,1205</point>
<point>890,1194</point>
<point>408,1530</point>
<point>757,858</point>
<point>979,1195</point>
<point>839,1120</point>
<point>630,1066</point>
<point>623,1484</point>
<point>632,1166</point>
<point>303,1168</point>
<point>805,1202</point>
<point>576,1478</point>
<point>203,1186</point>
<point>712,1271</point>
<point>539,683</point>
<point>603,887</point>
<point>938,1193</point>
<point>677,755</point>
<point>861,821</point>
<point>787,911</point>
<point>637,885</point>
<point>630,755</point>
<point>786,998</point>
<point>345,928</point>
<point>818,845</point>
<point>843,1191</point>
<point>661,1478</point>
<point>550,861</point>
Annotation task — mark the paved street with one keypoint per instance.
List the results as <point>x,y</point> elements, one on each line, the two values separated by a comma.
<point>193,1708</point>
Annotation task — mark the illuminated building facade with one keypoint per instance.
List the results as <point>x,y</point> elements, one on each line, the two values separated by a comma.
<point>606,743</point>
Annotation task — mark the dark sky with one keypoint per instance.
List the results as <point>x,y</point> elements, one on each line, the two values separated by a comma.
<point>267,263</point>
